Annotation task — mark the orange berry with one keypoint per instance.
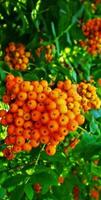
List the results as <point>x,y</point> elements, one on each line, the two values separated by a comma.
<point>67,85</point>
<point>9,77</point>
<point>36,115</point>
<point>20,112</point>
<point>19,103</point>
<point>40,107</point>
<point>12,46</point>
<point>28,54</point>
<point>41,97</point>
<point>44,130</point>
<point>35,134</point>
<point>10,85</point>
<point>38,88</point>
<point>17,149</point>
<point>61,179</point>
<point>27,147</point>
<point>44,83</point>
<point>80,119</point>
<point>2,113</point>
<point>9,118</point>
<point>50,150</point>
<point>20,140</point>
<point>45,118</point>
<point>47,90</point>
<point>44,139</point>
<point>54,94</point>
<point>53,126</point>
<point>63,120</point>
<point>32,95</point>
<point>25,86</point>
<point>63,131</point>
<point>72,125</point>
<point>22,96</point>
<point>27,133</point>
<point>25,60</point>
<point>60,85</point>
<point>51,105</point>
<point>19,131</point>
<point>34,143</point>
<point>18,79</point>
<point>6,99</point>
<point>54,114</point>
<point>25,108</point>
<point>19,121</point>
<point>94,194</point>
<point>28,124</point>
<point>27,116</point>
<point>12,139</point>
<point>63,109</point>
<point>11,129</point>
<point>13,107</point>
<point>31,104</point>
<point>70,114</point>
<point>35,83</point>
<point>3,122</point>
<point>76,111</point>
<point>60,101</point>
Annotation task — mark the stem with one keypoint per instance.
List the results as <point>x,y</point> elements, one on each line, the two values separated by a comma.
<point>82,128</point>
<point>37,160</point>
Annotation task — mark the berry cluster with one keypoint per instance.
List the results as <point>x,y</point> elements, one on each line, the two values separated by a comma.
<point>89,99</point>
<point>16,56</point>
<point>40,115</point>
<point>92,31</point>
<point>47,51</point>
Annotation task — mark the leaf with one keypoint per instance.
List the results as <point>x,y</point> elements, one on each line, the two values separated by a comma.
<point>2,192</point>
<point>89,146</point>
<point>96,113</point>
<point>55,38</point>
<point>29,191</point>
<point>96,170</point>
<point>14,180</point>
<point>93,125</point>
<point>78,14</point>
<point>18,193</point>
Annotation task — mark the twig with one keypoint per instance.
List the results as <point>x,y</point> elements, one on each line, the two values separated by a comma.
<point>81,128</point>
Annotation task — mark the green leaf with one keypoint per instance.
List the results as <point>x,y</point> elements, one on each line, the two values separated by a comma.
<point>18,193</point>
<point>93,126</point>
<point>96,170</point>
<point>2,192</point>
<point>29,191</point>
<point>96,113</point>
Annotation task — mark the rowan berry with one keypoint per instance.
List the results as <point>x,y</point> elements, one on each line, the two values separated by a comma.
<point>53,126</point>
<point>27,147</point>
<point>50,150</point>
<point>19,121</point>
<point>45,118</point>
<point>20,140</point>
<point>35,115</point>
<point>63,120</point>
